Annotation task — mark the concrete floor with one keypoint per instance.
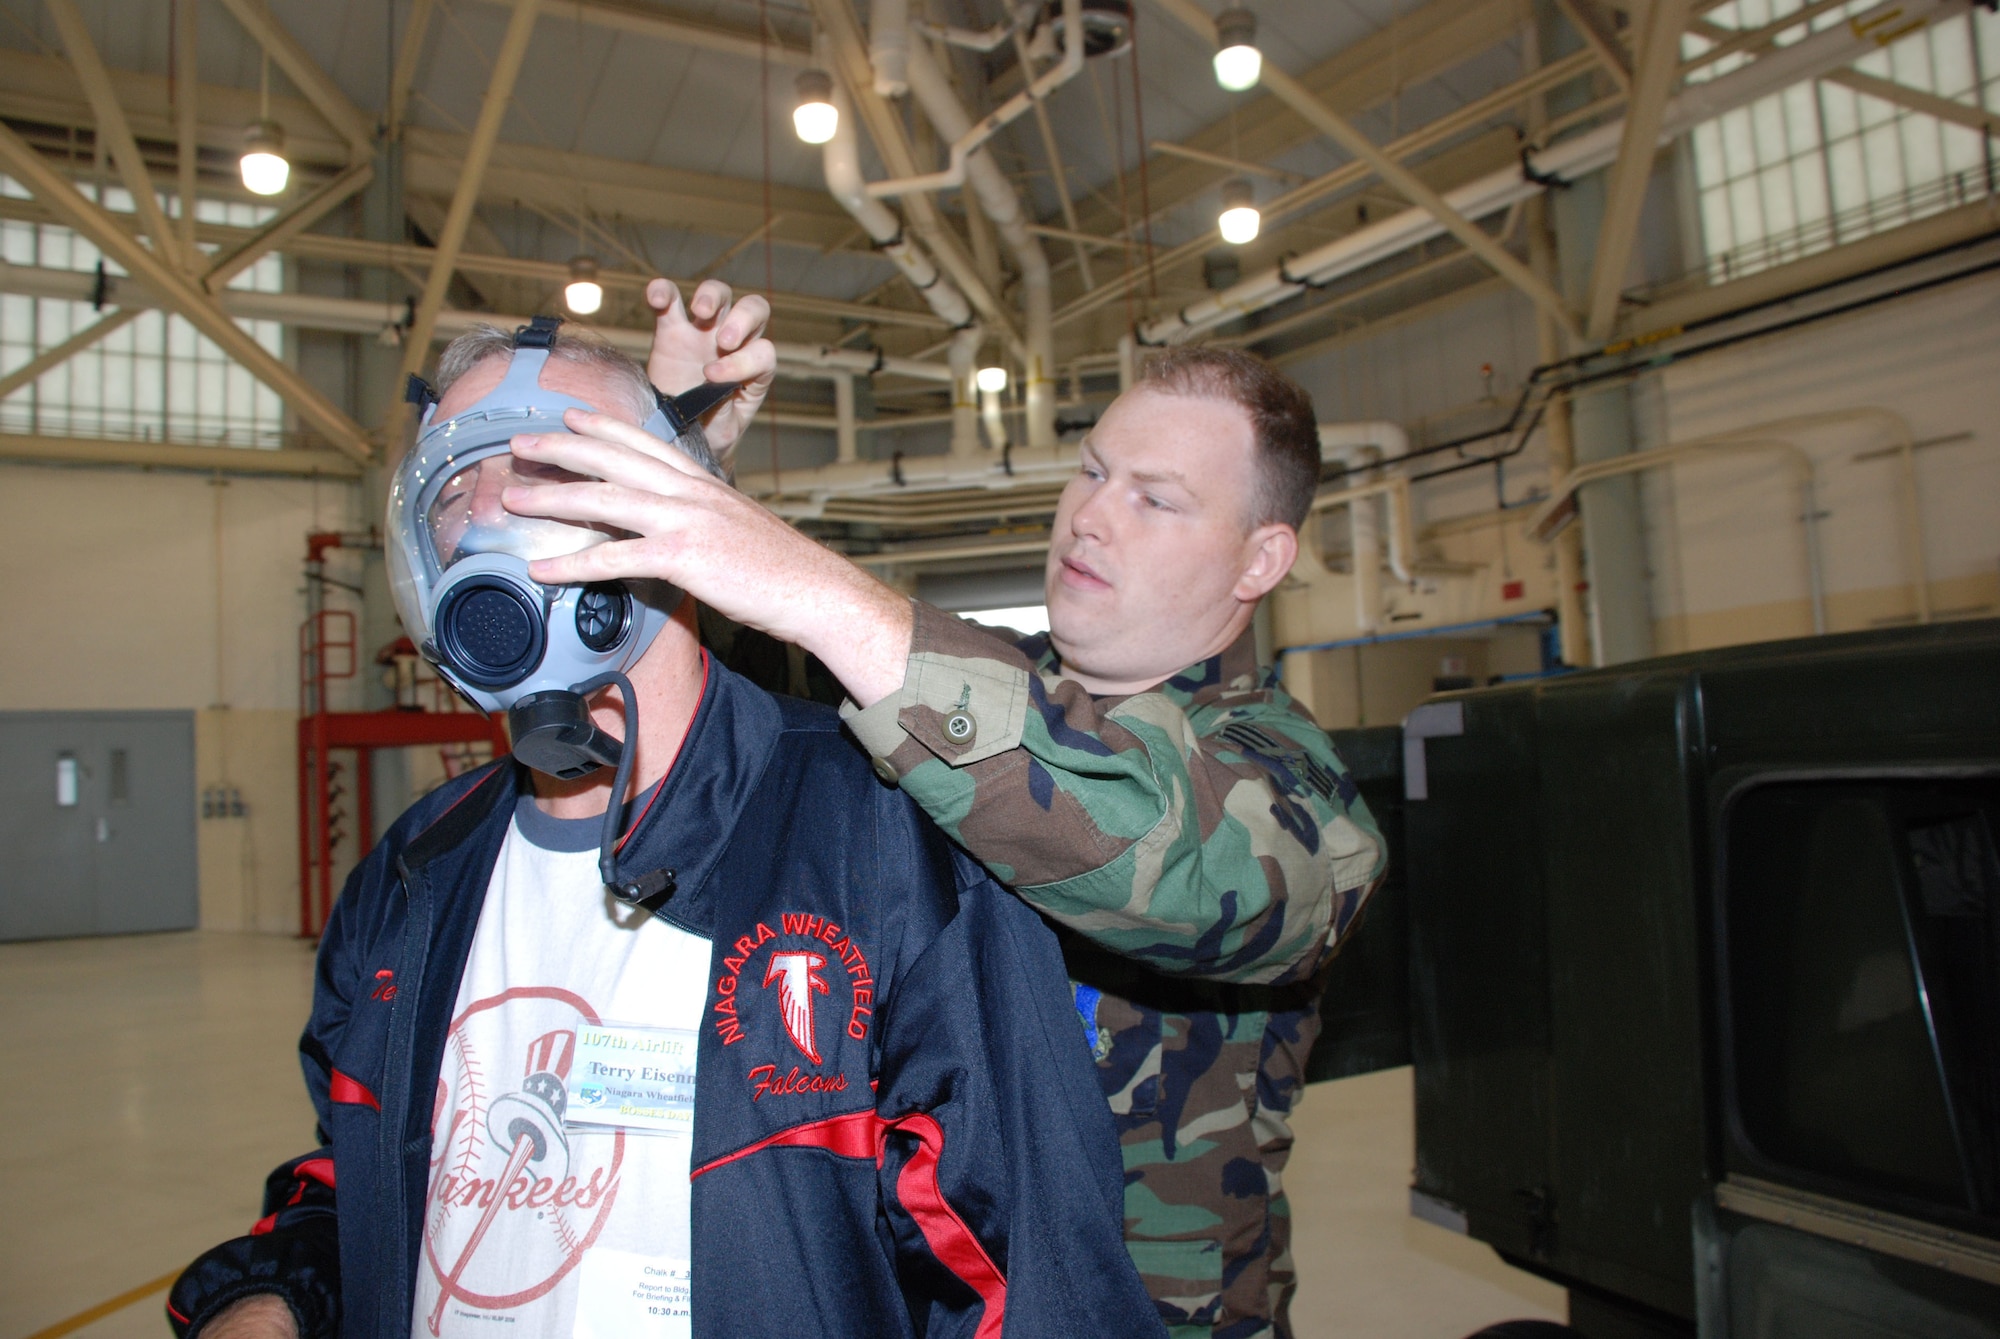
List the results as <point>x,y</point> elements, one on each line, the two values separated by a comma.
<point>151,1082</point>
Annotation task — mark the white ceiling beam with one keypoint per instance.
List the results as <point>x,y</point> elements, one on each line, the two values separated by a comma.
<point>42,90</point>
<point>25,165</point>
<point>282,230</point>
<point>408,52</point>
<point>1653,79</point>
<point>348,121</point>
<point>176,456</point>
<point>1348,174</point>
<point>492,111</point>
<point>1917,100</point>
<point>643,21</point>
<point>1600,34</point>
<point>49,359</point>
<point>187,124</point>
<point>359,316</point>
<point>701,202</point>
<point>1399,178</point>
<point>1420,45</point>
<point>214,272</point>
<point>1223,160</point>
<point>361,251</point>
<point>113,130</point>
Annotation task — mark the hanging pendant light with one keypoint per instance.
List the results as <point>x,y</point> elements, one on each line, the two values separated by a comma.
<point>583,294</point>
<point>265,169</point>
<point>264,166</point>
<point>1239,220</point>
<point>815,118</point>
<point>1238,62</point>
<point>992,380</point>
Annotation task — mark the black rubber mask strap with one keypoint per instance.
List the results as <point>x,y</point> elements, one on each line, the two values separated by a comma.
<point>688,407</point>
<point>654,886</point>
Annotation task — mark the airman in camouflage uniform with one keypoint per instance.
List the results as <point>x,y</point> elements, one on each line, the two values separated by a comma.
<point>1206,849</point>
<point>1188,826</point>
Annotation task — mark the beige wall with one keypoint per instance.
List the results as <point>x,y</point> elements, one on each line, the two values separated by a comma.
<point>112,600</point>
<point>1725,539</point>
<point>1380,683</point>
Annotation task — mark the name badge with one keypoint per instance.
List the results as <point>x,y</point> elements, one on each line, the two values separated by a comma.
<point>639,1079</point>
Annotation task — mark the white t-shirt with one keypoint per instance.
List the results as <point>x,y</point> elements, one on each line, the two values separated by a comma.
<point>589,1236</point>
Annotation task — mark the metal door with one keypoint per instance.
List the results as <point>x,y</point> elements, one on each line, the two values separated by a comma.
<point>97,818</point>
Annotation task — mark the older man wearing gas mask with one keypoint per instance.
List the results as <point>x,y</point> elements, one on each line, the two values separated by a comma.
<point>671,1026</point>
<point>1135,774</point>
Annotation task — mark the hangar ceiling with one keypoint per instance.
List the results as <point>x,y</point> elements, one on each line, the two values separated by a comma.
<point>655,136</point>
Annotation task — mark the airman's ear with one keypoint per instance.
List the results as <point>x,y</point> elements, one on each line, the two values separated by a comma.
<point>1270,552</point>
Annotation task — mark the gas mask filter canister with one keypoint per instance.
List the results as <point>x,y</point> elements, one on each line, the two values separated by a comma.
<point>458,568</point>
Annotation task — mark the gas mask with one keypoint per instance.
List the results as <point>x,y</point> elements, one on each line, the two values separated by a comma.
<point>458,568</point>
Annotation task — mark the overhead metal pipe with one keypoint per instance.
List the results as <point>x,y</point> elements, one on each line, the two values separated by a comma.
<point>966,143</point>
<point>889,46</point>
<point>840,160</point>
<point>963,358</point>
<point>846,441</point>
<point>1002,204</point>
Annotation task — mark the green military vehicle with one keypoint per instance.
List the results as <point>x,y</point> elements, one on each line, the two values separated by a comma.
<point>1698,964</point>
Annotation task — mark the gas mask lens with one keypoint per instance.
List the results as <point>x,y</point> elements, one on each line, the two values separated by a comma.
<point>467,518</point>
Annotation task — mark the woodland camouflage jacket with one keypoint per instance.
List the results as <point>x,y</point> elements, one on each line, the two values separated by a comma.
<point>1205,849</point>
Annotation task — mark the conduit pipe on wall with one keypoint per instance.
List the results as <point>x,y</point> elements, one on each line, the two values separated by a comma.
<point>1903,443</point>
<point>1400,527</point>
<point>1827,50</point>
<point>1550,518</point>
<point>1002,204</point>
<point>1359,446</point>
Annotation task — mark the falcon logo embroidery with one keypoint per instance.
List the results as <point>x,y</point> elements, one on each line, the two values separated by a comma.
<point>797,975</point>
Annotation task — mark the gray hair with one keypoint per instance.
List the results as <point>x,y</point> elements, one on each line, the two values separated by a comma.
<point>481,342</point>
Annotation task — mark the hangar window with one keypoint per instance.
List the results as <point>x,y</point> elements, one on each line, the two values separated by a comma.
<point>1823,163</point>
<point>155,379</point>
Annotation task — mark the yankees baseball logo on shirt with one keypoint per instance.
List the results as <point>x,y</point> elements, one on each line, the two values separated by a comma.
<point>797,984</point>
<point>507,1153</point>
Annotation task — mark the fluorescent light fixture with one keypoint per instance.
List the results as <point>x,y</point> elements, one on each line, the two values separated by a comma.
<point>815,118</point>
<point>1238,62</point>
<point>1239,219</point>
<point>265,170</point>
<point>992,380</point>
<point>583,294</point>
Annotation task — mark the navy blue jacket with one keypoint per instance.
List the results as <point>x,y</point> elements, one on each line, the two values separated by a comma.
<point>949,1169</point>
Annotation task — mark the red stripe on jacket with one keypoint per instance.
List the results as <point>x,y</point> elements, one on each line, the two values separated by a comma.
<point>312,1169</point>
<point>863,1134</point>
<point>352,1091</point>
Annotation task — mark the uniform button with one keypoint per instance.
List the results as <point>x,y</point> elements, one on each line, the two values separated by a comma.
<point>959,727</point>
<point>886,772</point>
